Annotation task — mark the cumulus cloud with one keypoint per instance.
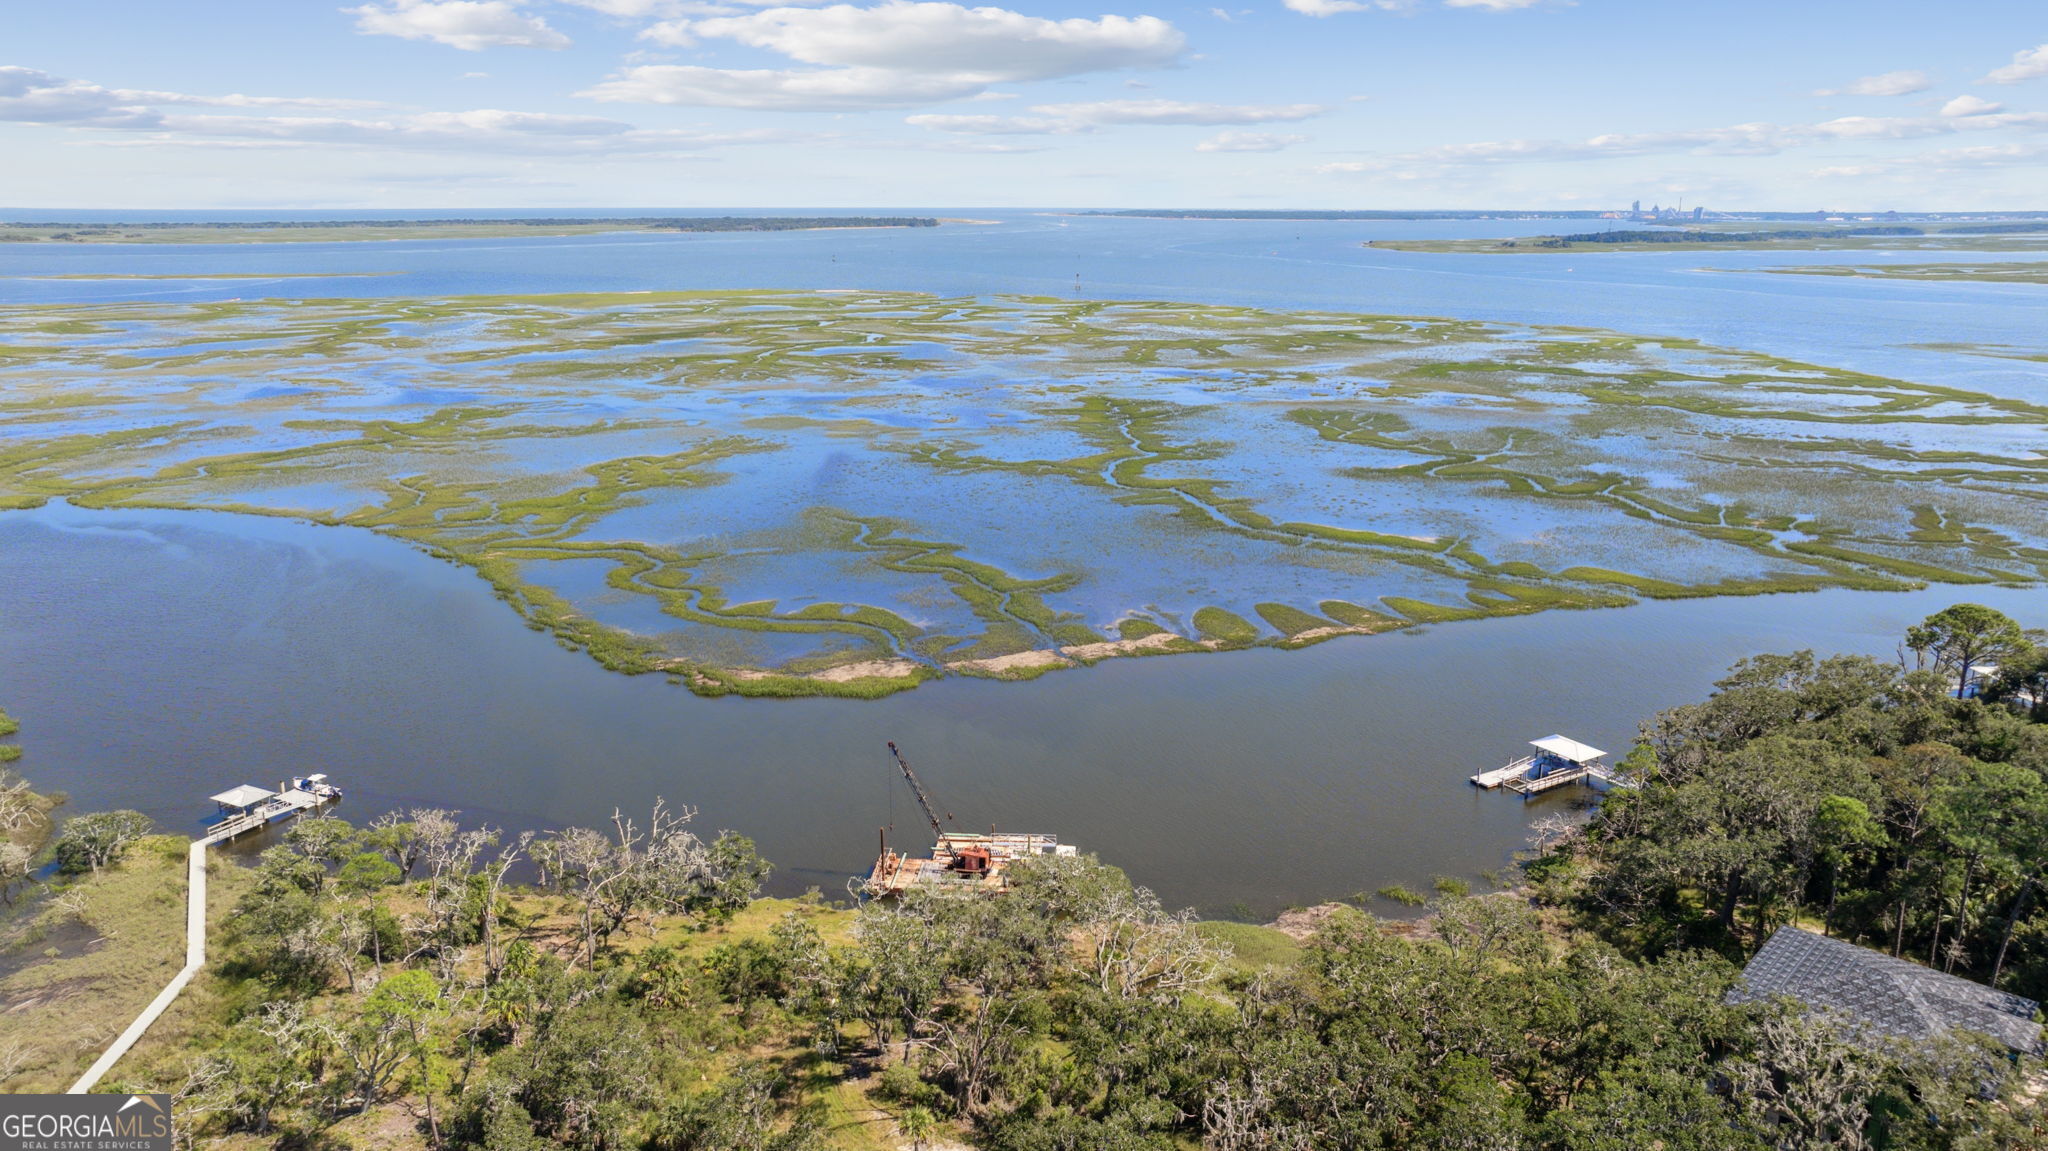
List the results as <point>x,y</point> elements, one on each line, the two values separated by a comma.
<point>1887,84</point>
<point>1247,142</point>
<point>1492,5</point>
<point>2026,65</point>
<point>31,96</point>
<point>471,25</point>
<point>1971,106</point>
<point>671,33</point>
<point>927,37</point>
<point>893,55</point>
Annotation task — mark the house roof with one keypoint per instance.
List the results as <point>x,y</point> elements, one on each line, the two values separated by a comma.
<point>1570,749</point>
<point>242,795</point>
<point>1890,996</point>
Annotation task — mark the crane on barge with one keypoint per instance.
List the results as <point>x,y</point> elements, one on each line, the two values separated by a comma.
<point>960,860</point>
<point>931,816</point>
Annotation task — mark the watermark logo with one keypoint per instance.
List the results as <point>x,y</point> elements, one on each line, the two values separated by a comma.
<point>85,1123</point>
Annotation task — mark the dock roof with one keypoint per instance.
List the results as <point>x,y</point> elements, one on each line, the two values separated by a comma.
<point>1570,749</point>
<point>242,795</point>
<point>1889,996</point>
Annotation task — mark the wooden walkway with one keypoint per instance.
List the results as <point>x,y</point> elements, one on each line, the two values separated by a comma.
<point>195,958</point>
<point>286,804</point>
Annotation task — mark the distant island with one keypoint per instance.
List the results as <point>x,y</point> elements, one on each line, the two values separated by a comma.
<point>2007,235</point>
<point>321,231</point>
<point>1314,214</point>
<point>1533,214</point>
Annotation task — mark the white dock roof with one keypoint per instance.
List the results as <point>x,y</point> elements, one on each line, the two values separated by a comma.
<point>1570,749</point>
<point>242,795</point>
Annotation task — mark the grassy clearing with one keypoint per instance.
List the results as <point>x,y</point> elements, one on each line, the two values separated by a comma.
<point>1253,948</point>
<point>85,959</point>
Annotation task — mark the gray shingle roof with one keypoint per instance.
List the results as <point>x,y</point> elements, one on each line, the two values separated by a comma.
<point>1888,995</point>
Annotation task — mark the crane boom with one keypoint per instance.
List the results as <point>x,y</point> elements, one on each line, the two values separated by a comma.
<point>931,816</point>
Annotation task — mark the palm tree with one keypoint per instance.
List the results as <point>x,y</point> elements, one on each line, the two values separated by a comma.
<point>918,1125</point>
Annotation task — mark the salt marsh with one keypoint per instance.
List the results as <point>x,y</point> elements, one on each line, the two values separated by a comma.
<point>780,492</point>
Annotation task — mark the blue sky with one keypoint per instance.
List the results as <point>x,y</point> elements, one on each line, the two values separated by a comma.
<point>1297,103</point>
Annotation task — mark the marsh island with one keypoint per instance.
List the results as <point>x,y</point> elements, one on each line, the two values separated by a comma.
<point>789,493</point>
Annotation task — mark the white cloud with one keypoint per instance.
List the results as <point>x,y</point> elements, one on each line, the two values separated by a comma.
<point>944,38</point>
<point>1178,112</point>
<point>40,98</point>
<point>1970,106</point>
<point>1492,5</point>
<point>2026,65</point>
<point>30,96</point>
<point>1888,84</point>
<point>1067,119</point>
<point>673,33</point>
<point>894,55</point>
<point>1247,142</point>
<point>780,90</point>
<point>471,25</point>
<point>997,125</point>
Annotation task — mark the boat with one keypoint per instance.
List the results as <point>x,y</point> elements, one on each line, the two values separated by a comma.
<point>246,807</point>
<point>960,861</point>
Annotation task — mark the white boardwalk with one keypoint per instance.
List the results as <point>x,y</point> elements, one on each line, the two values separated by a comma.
<point>252,808</point>
<point>195,958</point>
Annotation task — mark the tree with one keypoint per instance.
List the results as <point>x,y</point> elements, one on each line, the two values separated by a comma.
<point>918,1125</point>
<point>639,874</point>
<point>99,840</point>
<point>1844,832</point>
<point>390,1031</point>
<point>1809,1085</point>
<point>592,1075</point>
<point>1963,635</point>
<point>17,869</point>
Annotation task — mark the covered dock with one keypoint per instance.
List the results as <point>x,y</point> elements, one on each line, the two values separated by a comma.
<point>246,807</point>
<point>1557,761</point>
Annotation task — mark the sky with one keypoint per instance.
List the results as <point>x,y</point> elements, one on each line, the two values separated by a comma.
<point>1363,104</point>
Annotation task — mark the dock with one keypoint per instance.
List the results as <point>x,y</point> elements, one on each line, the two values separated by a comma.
<point>246,807</point>
<point>1557,761</point>
<point>242,809</point>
